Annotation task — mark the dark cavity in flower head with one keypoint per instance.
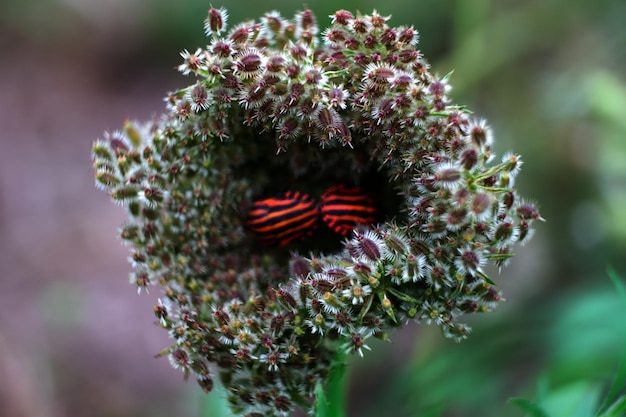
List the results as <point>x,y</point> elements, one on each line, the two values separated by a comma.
<point>284,218</point>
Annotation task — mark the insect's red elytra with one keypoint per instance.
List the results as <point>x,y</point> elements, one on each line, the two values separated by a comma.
<point>343,208</point>
<point>284,218</point>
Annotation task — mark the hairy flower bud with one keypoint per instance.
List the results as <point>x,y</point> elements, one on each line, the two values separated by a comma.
<point>215,21</point>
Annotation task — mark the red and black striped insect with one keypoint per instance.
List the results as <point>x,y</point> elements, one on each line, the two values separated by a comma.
<point>281,219</point>
<point>343,208</point>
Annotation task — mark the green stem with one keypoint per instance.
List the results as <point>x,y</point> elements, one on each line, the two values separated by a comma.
<point>330,398</point>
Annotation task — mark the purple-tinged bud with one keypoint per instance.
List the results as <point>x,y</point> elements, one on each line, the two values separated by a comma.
<point>342,17</point>
<point>183,109</point>
<point>335,35</point>
<point>313,76</point>
<point>274,22</point>
<point>481,203</point>
<point>337,96</point>
<point>407,55</point>
<point>215,21</point>
<point>326,120</point>
<point>447,176</point>
<point>306,19</point>
<point>289,128</point>
<point>383,110</point>
<point>360,25</point>
<point>362,59</point>
<point>469,262</point>
<point>179,359</point>
<point>249,63</point>
<point>527,211</point>
<point>221,317</point>
<point>461,196</point>
<point>408,36</point>
<point>295,92</point>
<point>508,199</point>
<point>456,218</point>
<point>285,298</point>
<point>206,383</point>
<point>282,403</point>
<point>379,76</point>
<point>261,42</point>
<point>299,266</point>
<point>293,71</point>
<point>275,64</point>
<point>240,34</point>
<point>222,48</point>
<point>439,88</point>
<point>344,136</point>
<point>469,158</point>
<point>505,232</point>
<point>371,42</point>
<point>480,134</point>
<point>421,113</point>
<point>322,284</point>
<point>298,52</point>
<point>199,98</point>
<point>377,20</point>
<point>489,181</point>
<point>492,295</point>
<point>403,81</point>
<point>118,144</point>
<point>414,268</point>
<point>362,269</point>
<point>352,44</point>
<point>389,37</point>
<point>369,246</point>
<point>306,37</point>
<point>525,232</point>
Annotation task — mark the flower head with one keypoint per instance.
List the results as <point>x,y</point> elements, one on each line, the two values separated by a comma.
<point>347,150</point>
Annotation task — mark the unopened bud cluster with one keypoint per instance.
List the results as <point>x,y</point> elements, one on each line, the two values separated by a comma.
<point>279,104</point>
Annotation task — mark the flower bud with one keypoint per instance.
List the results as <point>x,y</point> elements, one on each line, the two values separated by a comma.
<point>215,21</point>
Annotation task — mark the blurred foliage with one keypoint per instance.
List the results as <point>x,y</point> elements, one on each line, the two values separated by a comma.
<point>570,348</point>
<point>549,76</point>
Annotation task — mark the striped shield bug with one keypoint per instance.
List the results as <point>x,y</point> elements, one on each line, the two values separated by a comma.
<point>343,208</point>
<point>279,220</point>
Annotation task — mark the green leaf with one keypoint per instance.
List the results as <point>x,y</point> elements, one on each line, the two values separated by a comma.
<point>617,409</point>
<point>533,409</point>
<point>620,377</point>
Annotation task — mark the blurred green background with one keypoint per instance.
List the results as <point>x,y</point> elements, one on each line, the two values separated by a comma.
<point>548,75</point>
